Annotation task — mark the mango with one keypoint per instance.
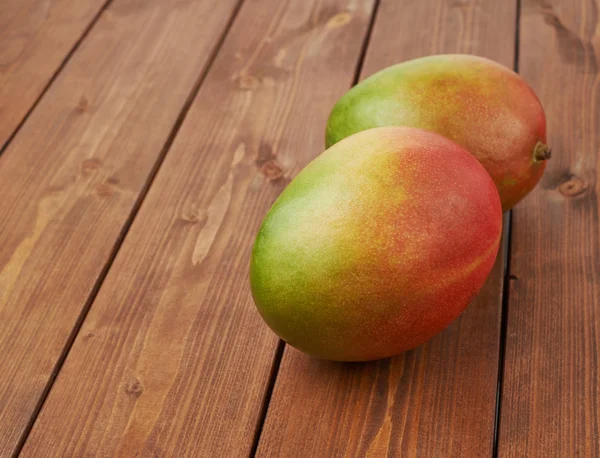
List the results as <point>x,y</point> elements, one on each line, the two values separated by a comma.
<point>377,245</point>
<point>480,104</point>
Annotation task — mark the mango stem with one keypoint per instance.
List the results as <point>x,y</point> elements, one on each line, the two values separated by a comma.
<point>541,152</point>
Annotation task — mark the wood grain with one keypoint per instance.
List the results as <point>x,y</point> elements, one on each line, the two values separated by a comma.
<point>551,394</point>
<point>73,173</point>
<point>35,38</point>
<point>173,358</point>
<point>439,399</point>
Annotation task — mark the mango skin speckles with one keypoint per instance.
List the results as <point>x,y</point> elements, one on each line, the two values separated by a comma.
<point>480,104</point>
<point>377,245</point>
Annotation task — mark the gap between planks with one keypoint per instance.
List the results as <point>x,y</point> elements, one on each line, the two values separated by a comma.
<point>506,284</point>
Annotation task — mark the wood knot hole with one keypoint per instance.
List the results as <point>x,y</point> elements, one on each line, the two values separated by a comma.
<point>573,186</point>
<point>89,165</point>
<point>272,170</point>
<point>248,82</point>
<point>134,388</point>
<point>191,216</point>
<point>107,188</point>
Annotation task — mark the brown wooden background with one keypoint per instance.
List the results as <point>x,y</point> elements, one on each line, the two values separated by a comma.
<point>141,143</point>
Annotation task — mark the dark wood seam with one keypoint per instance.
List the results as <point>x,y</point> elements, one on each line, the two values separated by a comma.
<point>507,278</point>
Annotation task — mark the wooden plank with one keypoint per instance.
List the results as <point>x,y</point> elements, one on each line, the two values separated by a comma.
<point>551,393</point>
<point>73,174</point>
<point>35,38</point>
<point>439,399</point>
<point>173,358</point>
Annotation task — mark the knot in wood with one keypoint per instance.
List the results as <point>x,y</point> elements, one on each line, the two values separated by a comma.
<point>248,82</point>
<point>134,388</point>
<point>573,186</point>
<point>107,188</point>
<point>192,216</point>
<point>90,165</point>
<point>82,106</point>
<point>272,170</point>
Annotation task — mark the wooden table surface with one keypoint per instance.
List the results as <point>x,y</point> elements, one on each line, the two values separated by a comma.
<point>142,142</point>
